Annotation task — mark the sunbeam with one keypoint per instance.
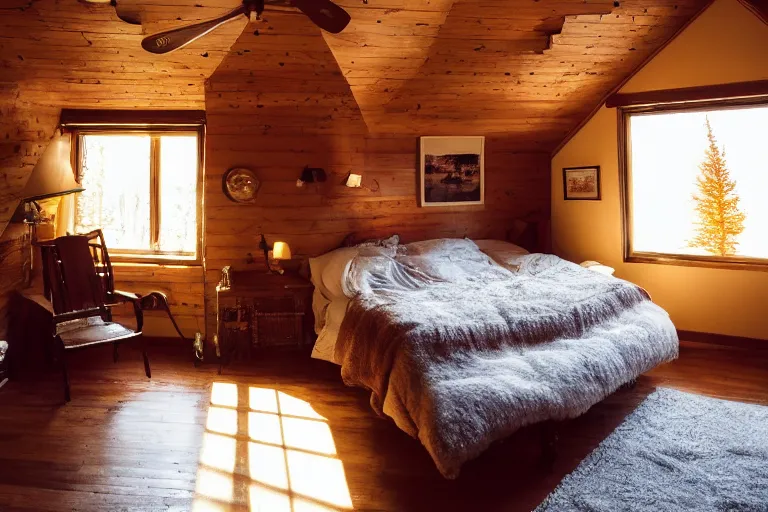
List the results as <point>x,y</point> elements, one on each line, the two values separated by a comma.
<point>275,455</point>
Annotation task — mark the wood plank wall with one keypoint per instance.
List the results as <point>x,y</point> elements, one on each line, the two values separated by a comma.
<point>66,54</point>
<point>31,130</point>
<point>279,102</point>
<point>25,129</point>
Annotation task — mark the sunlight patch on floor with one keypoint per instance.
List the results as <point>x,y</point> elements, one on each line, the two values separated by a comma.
<point>222,421</point>
<point>218,452</point>
<point>224,394</point>
<point>292,406</point>
<point>310,435</point>
<point>265,428</point>
<point>262,399</point>
<point>274,454</point>
<point>266,464</point>
<point>213,484</point>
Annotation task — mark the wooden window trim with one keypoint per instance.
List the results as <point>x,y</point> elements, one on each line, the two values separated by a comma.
<point>691,95</point>
<point>154,130</point>
<point>625,173</point>
<point>131,118</point>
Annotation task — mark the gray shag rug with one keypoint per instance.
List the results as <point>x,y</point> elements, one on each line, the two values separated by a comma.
<point>677,451</point>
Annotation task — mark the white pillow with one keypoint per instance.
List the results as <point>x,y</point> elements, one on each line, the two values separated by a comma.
<point>322,296</point>
<point>319,307</point>
<point>335,269</point>
<point>503,253</point>
<point>447,246</point>
<point>329,270</point>
<point>317,267</point>
<point>499,245</point>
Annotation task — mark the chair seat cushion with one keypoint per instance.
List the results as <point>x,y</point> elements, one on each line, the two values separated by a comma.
<point>92,331</point>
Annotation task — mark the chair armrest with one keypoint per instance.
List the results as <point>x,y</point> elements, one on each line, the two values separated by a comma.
<point>135,299</point>
<point>125,296</point>
<point>121,297</point>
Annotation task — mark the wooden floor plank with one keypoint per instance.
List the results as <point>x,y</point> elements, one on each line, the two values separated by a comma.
<point>129,443</point>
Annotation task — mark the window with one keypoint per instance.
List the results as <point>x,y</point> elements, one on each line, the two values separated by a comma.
<point>696,183</point>
<point>143,189</point>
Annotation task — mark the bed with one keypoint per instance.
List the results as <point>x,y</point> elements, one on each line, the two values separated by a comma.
<point>461,343</point>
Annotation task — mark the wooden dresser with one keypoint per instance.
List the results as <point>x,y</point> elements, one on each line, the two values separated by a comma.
<point>260,310</point>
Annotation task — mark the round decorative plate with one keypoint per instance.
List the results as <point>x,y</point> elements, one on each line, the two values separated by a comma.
<point>240,185</point>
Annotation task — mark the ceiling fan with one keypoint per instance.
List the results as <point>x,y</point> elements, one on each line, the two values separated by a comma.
<point>323,13</point>
<point>128,15</point>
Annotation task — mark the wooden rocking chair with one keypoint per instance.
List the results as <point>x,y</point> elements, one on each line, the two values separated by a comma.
<point>81,291</point>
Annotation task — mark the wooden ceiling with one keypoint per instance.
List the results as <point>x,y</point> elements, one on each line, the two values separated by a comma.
<point>528,69</point>
<point>523,67</point>
<point>77,53</point>
<point>63,53</point>
<point>472,66</point>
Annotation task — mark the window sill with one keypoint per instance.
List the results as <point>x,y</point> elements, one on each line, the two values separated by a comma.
<point>723,263</point>
<point>118,261</point>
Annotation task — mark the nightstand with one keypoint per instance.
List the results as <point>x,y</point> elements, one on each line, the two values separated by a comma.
<point>258,310</point>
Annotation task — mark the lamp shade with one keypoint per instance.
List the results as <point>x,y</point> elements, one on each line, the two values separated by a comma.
<point>281,251</point>
<point>52,175</point>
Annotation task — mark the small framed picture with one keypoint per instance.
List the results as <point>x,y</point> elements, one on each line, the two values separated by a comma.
<point>581,183</point>
<point>452,171</point>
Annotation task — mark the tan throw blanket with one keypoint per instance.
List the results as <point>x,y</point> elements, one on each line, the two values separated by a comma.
<point>460,352</point>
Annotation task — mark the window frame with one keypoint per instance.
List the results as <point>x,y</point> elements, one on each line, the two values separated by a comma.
<point>155,131</point>
<point>624,114</point>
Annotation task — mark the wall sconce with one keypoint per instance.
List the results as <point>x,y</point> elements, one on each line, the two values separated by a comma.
<point>354,180</point>
<point>311,175</point>
<point>279,251</point>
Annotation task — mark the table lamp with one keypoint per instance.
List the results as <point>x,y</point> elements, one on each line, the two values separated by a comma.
<point>52,176</point>
<point>279,251</point>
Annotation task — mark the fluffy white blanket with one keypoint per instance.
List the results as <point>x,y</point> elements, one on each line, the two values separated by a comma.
<point>461,352</point>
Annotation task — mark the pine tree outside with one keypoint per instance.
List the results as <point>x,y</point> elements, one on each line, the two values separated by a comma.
<point>717,204</point>
<point>698,184</point>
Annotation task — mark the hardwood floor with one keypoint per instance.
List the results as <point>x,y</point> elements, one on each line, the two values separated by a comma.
<point>126,443</point>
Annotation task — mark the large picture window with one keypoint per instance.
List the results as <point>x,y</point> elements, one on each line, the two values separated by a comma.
<point>696,182</point>
<point>143,189</point>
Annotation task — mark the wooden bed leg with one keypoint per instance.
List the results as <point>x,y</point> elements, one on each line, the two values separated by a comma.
<point>548,432</point>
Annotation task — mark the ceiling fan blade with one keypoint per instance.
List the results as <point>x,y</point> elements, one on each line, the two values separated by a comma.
<point>325,14</point>
<point>174,39</point>
<point>127,14</point>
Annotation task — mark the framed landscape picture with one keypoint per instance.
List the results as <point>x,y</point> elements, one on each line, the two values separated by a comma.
<point>581,183</point>
<point>452,171</point>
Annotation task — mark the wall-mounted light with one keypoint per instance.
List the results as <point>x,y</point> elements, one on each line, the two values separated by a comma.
<point>354,180</point>
<point>311,175</point>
